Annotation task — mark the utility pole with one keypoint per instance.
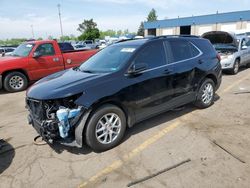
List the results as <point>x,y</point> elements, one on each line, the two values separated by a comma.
<point>59,13</point>
<point>32,30</point>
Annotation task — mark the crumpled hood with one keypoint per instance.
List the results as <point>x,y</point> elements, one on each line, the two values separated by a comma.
<point>221,37</point>
<point>62,84</point>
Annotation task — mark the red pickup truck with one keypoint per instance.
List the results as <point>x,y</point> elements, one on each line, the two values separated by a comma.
<point>33,60</point>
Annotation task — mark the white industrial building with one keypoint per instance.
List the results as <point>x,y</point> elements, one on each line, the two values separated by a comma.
<point>197,25</point>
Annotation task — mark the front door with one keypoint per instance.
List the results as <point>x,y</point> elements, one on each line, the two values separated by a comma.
<point>47,63</point>
<point>153,88</point>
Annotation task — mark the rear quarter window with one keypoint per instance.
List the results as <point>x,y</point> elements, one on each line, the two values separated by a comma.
<point>205,46</point>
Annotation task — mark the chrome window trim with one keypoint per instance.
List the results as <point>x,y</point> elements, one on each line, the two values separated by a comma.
<point>200,53</point>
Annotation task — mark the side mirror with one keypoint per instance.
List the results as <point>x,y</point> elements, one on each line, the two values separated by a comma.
<point>37,54</point>
<point>244,47</point>
<point>137,68</point>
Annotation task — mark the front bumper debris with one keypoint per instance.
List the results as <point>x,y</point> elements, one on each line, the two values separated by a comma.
<point>53,121</point>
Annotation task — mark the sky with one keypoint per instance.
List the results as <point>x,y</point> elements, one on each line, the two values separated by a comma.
<point>17,16</point>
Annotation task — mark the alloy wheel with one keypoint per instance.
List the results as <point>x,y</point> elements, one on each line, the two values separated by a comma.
<point>207,93</point>
<point>108,128</point>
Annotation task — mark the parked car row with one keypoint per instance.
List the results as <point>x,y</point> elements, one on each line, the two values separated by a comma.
<point>5,51</point>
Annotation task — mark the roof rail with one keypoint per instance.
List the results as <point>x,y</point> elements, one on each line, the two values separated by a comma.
<point>175,36</point>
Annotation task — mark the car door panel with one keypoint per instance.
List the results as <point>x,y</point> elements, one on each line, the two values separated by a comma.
<point>152,87</point>
<point>47,63</point>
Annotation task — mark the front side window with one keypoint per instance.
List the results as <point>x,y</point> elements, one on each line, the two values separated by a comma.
<point>248,43</point>
<point>153,55</point>
<point>181,50</point>
<point>46,49</point>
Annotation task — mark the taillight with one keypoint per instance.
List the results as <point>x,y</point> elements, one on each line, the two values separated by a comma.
<point>218,57</point>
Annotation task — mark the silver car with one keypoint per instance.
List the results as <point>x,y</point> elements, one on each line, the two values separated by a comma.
<point>233,49</point>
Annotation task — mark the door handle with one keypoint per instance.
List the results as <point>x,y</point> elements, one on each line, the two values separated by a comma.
<point>168,71</point>
<point>200,61</point>
<point>55,59</point>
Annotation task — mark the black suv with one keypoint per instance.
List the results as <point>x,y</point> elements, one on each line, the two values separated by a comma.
<point>122,85</point>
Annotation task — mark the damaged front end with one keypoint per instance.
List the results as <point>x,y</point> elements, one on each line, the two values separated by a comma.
<point>55,120</point>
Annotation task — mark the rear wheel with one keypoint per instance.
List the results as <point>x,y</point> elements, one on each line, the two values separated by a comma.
<point>105,128</point>
<point>15,81</point>
<point>236,67</point>
<point>205,96</point>
<point>248,65</point>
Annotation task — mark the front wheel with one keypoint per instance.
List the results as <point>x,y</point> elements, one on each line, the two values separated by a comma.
<point>205,96</point>
<point>15,81</point>
<point>105,128</point>
<point>236,67</point>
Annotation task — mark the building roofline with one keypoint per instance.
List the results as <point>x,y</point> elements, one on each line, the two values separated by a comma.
<point>226,17</point>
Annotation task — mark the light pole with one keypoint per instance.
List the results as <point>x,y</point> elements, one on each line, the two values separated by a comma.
<point>59,13</point>
<point>32,31</point>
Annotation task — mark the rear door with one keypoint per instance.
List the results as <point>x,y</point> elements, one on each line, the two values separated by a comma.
<point>49,62</point>
<point>182,67</point>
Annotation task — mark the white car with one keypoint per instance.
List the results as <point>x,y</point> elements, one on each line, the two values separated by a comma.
<point>233,49</point>
<point>81,47</point>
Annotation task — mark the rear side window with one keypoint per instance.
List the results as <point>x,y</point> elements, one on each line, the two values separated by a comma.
<point>153,55</point>
<point>181,50</point>
<point>65,46</point>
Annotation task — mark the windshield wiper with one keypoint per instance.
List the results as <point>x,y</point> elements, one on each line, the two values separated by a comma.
<point>87,71</point>
<point>15,55</point>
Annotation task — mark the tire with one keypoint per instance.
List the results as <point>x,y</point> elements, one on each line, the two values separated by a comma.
<point>248,65</point>
<point>97,131</point>
<point>236,67</point>
<point>15,81</point>
<point>207,90</point>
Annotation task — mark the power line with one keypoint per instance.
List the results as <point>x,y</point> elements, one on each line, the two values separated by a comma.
<point>59,13</point>
<point>32,30</point>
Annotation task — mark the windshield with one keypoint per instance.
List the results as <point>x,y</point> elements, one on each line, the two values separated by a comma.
<point>23,50</point>
<point>109,59</point>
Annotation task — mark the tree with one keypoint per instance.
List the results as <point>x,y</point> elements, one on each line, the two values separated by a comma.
<point>65,38</point>
<point>50,37</point>
<point>109,32</point>
<point>152,16</point>
<point>89,30</point>
<point>140,31</point>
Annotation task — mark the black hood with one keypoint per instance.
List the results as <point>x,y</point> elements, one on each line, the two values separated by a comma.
<point>62,84</point>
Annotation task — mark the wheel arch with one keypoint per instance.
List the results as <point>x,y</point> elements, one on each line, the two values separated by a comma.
<point>109,101</point>
<point>5,73</point>
<point>212,77</point>
<point>238,58</point>
<point>81,127</point>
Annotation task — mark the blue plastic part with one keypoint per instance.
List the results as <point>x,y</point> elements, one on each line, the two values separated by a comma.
<point>63,115</point>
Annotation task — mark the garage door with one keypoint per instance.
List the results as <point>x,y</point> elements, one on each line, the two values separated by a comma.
<point>167,31</point>
<point>204,29</point>
<point>228,27</point>
<point>248,26</point>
